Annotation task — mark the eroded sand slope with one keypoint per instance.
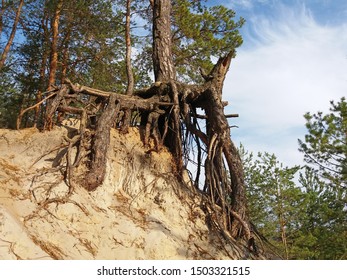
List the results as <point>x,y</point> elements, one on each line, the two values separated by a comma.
<point>140,212</point>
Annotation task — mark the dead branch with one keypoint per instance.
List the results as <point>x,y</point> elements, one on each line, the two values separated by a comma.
<point>19,118</point>
<point>227,116</point>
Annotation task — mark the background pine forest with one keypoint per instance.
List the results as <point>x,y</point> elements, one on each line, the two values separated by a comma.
<point>299,210</point>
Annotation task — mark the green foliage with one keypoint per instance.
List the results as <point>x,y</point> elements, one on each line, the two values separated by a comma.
<point>10,99</point>
<point>325,145</point>
<point>315,222</point>
<point>325,220</point>
<point>202,34</point>
<point>91,47</point>
<point>325,150</point>
<point>90,44</point>
<point>273,198</point>
<point>94,38</point>
<point>313,207</point>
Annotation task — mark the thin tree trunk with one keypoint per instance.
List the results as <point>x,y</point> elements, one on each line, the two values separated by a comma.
<point>130,87</point>
<point>65,58</point>
<point>129,70</point>
<point>64,64</point>
<point>282,222</point>
<point>41,85</point>
<point>2,11</point>
<point>12,35</point>
<point>284,236</point>
<point>54,45</point>
<point>53,65</point>
<point>65,46</point>
<point>45,55</point>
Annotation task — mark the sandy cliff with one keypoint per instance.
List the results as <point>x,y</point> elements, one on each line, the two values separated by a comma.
<point>140,211</point>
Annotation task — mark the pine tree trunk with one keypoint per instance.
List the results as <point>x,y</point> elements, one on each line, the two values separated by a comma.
<point>42,78</point>
<point>65,58</point>
<point>164,69</point>
<point>2,11</point>
<point>54,45</point>
<point>65,45</point>
<point>12,35</point>
<point>281,219</point>
<point>129,70</point>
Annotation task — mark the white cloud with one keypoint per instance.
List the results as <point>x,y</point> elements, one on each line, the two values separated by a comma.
<point>246,4</point>
<point>290,65</point>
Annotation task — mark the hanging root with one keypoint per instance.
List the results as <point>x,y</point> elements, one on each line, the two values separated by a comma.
<point>169,116</point>
<point>216,221</point>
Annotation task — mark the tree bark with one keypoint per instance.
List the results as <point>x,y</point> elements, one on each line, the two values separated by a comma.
<point>129,70</point>
<point>42,78</point>
<point>164,69</point>
<point>281,218</point>
<point>54,45</point>
<point>101,142</point>
<point>12,35</point>
<point>65,45</point>
<point>65,56</point>
<point>2,11</point>
<point>218,132</point>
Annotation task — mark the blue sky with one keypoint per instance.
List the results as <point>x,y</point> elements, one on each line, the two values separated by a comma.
<point>293,60</point>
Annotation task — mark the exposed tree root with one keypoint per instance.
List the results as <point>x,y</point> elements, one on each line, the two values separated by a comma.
<point>68,172</point>
<point>168,113</point>
<point>11,248</point>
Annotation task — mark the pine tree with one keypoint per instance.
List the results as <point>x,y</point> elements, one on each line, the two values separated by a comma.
<point>78,39</point>
<point>325,146</point>
<point>309,214</point>
<point>10,99</point>
<point>273,199</point>
<point>325,150</point>
<point>200,34</point>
